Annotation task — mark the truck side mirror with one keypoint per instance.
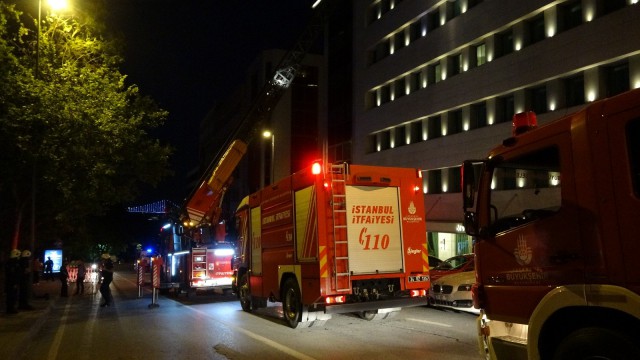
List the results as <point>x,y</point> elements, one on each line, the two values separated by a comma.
<point>468,185</point>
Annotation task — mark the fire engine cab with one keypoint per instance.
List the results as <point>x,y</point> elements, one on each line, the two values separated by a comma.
<point>334,238</point>
<point>556,219</point>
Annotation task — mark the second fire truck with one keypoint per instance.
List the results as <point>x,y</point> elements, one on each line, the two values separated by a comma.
<point>335,239</point>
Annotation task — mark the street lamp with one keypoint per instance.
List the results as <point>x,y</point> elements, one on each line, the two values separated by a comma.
<point>268,134</point>
<point>54,5</point>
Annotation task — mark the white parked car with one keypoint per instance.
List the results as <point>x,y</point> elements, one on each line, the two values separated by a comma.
<point>454,292</point>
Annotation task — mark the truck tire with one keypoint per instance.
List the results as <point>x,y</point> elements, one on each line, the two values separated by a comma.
<point>369,315</point>
<point>597,343</point>
<point>244,294</point>
<point>291,303</point>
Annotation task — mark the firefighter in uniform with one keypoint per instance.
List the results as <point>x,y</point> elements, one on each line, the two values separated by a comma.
<point>106,271</point>
<point>12,281</point>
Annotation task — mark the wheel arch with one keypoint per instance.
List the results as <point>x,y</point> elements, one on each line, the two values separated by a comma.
<point>568,308</point>
<point>289,271</point>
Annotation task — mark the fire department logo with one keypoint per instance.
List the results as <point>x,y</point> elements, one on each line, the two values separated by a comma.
<point>523,252</point>
<point>412,208</point>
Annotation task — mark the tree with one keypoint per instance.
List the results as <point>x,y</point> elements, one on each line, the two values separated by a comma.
<point>73,133</point>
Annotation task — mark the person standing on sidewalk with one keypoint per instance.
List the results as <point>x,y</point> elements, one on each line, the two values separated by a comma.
<point>106,272</point>
<point>12,281</point>
<point>64,278</point>
<point>48,269</point>
<point>82,270</point>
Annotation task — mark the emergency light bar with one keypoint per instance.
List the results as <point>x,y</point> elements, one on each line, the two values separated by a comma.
<point>523,122</point>
<point>223,252</point>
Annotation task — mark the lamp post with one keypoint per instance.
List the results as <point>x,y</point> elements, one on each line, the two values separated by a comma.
<point>54,5</point>
<point>268,134</point>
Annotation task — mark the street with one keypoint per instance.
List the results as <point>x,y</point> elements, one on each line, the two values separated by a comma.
<point>213,326</point>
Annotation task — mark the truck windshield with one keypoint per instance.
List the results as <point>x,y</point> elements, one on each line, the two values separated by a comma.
<point>525,188</point>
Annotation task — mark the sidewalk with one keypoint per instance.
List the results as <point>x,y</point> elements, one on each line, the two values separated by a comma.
<point>18,330</point>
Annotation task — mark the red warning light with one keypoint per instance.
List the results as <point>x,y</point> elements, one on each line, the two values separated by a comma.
<point>523,122</point>
<point>316,168</point>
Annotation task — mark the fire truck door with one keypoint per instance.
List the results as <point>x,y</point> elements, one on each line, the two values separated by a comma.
<point>624,137</point>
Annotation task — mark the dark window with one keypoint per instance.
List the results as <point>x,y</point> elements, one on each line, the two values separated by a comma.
<point>400,136</point>
<point>538,99</point>
<point>399,40</point>
<point>617,78</point>
<point>454,180</point>
<point>570,15</point>
<point>610,6</point>
<point>415,30</point>
<point>472,3</point>
<point>478,115</point>
<point>415,81</point>
<point>535,29</point>
<point>505,108</point>
<point>433,20</point>
<point>574,90</point>
<point>372,99</point>
<point>372,143</point>
<point>372,15</point>
<point>399,88</point>
<point>504,43</point>
<point>454,122</point>
<point>416,132</point>
<point>385,95</point>
<point>434,73</point>
<point>455,65</point>
<point>633,138</point>
<point>434,127</point>
<point>385,140</point>
<point>434,181</point>
<point>457,8</point>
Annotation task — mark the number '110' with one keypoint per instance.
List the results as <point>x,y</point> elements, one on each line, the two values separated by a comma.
<point>373,242</point>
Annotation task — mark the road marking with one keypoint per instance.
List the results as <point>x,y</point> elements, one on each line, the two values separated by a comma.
<point>262,339</point>
<point>55,344</point>
<point>429,322</point>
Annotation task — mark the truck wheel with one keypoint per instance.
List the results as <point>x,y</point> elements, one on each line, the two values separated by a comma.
<point>292,303</point>
<point>244,294</point>
<point>368,315</point>
<point>597,343</point>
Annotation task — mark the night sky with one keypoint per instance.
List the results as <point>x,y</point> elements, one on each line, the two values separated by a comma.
<point>188,54</point>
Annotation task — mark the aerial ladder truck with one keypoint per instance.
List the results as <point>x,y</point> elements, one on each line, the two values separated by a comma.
<point>196,255</point>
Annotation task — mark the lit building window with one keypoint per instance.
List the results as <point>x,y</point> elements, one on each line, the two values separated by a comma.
<point>481,54</point>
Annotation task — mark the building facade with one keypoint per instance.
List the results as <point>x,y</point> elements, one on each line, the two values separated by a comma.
<point>436,82</point>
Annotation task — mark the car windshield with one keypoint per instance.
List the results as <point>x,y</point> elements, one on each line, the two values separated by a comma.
<point>453,263</point>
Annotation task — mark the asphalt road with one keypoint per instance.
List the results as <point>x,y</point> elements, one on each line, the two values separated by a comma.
<point>213,326</point>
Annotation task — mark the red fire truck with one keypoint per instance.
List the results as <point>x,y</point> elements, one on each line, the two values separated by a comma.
<point>345,238</point>
<point>195,252</point>
<point>556,221</point>
<point>191,265</point>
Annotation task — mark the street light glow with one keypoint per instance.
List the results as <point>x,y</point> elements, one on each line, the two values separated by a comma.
<point>58,4</point>
<point>266,134</point>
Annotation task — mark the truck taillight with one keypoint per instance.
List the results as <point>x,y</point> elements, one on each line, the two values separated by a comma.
<point>523,122</point>
<point>340,299</point>
<point>418,293</point>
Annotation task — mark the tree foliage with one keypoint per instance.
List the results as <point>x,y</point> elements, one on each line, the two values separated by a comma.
<point>71,127</point>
